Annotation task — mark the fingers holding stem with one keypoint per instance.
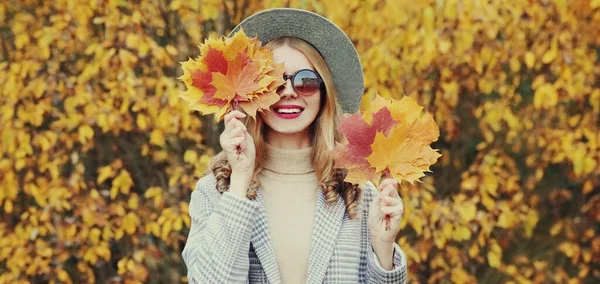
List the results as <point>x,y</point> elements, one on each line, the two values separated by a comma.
<point>233,119</point>
<point>388,187</point>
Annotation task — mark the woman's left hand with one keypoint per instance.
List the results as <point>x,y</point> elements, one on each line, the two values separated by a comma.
<point>387,203</point>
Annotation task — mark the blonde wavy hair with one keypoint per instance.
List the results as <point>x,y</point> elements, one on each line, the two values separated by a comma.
<point>324,133</point>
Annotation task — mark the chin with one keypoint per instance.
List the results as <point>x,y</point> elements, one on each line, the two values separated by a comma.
<point>284,126</point>
<point>288,129</point>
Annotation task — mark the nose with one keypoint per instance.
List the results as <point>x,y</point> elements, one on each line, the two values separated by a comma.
<point>287,90</point>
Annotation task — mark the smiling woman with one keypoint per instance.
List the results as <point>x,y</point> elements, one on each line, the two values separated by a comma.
<point>278,212</point>
<point>296,110</point>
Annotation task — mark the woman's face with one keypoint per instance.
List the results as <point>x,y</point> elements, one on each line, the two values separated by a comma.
<point>294,112</point>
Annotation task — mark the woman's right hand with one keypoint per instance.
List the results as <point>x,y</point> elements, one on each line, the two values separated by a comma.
<point>236,137</point>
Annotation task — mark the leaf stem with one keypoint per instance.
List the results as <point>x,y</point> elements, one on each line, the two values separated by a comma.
<point>387,218</point>
<point>234,106</point>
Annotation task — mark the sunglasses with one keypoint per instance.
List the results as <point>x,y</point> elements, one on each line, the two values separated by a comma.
<point>305,82</point>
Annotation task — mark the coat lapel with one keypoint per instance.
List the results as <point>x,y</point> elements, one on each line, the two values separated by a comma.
<point>328,222</point>
<point>261,240</point>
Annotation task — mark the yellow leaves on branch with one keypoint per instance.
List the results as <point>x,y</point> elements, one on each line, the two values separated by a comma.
<point>121,184</point>
<point>94,253</point>
<point>75,80</point>
<point>154,193</point>
<point>130,223</point>
<point>232,71</point>
<point>170,220</point>
<point>133,267</point>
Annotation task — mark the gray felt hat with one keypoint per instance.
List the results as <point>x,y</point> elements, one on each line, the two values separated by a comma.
<point>333,44</point>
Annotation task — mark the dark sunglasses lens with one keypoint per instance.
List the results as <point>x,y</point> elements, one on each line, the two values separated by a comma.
<point>306,82</point>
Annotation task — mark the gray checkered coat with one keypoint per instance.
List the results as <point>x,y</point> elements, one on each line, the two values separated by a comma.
<point>229,242</point>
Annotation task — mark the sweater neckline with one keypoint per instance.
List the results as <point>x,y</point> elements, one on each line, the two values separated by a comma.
<point>288,161</point>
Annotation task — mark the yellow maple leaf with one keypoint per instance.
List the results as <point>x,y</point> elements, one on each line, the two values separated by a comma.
<point>529,59</point>
<point>166,229</point>
<point>142,121</point>
<point>551,53</point>
<point>85,133</point>
<point>439,240</point>
<point>374,105</point>
<point>461,233</point>
<point>473,250</point>
<point>122,183</point>
<point>157,137</point>
<point>495,255</point>
<point>104,173</point>
<point>406,110</point>
<point>130,223</point>
<point>417,223</point>
<point>63,276</point>
<point>121,266</point>
<point>467,211</point>
<point>8,206</point>
<point>545,96</point>
<point>506,220</point>
<point>178,225</point>
<point>405,158</point>
<point>236,44</point>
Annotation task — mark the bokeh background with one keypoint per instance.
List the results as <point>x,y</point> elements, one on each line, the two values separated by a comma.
<point>99,155</point>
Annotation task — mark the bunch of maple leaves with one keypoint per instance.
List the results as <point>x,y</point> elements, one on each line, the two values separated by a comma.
<point>231,72</point>
<point>390,138</point>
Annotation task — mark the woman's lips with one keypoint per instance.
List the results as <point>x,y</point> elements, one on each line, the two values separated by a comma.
<point>288,115</point>
<point>288,111</point>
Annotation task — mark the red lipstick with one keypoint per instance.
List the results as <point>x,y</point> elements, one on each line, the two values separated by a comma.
<point>288,111</point>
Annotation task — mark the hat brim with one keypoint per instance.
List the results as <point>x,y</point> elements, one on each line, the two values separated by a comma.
<point>331,42</point>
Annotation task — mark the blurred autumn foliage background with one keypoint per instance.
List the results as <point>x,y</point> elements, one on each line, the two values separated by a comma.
<point>99,155</point>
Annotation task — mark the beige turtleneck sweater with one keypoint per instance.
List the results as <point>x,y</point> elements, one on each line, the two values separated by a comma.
<point>289,189</point>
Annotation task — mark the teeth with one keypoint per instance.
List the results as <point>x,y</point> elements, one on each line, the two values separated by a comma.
<point>288,110</point>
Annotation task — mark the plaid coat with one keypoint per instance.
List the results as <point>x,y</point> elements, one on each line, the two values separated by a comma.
<point>229,242</point>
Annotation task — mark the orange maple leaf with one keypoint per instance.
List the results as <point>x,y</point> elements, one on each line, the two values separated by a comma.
<point>238,80</point>
<point>259,103</point>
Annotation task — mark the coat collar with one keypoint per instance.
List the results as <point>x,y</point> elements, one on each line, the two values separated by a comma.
<point>327,225</point>
<point>328,222</point>
<point>262,243</point>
